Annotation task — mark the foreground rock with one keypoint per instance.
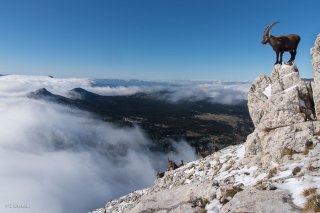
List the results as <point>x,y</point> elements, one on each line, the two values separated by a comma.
<point>187,189</point>
<point>213,182</point>
<point>177,199</point>
<point>269,173</point>
<point>253,200</point>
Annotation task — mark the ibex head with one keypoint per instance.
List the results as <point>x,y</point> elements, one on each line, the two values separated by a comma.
<point>266,33</point>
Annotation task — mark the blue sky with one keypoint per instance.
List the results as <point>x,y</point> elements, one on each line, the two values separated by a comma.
<point>151,39</point>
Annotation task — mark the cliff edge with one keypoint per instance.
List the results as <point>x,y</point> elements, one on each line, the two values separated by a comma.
<point>275,170</point>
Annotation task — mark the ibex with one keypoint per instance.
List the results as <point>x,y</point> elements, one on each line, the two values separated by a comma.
<point>181,164</point>
<point>160,174</point>
<point>281,44</point>
<point>204,154</point>
<point>172,165</point>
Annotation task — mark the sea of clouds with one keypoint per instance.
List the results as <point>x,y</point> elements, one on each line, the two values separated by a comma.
<point>59,159</point>
<point>213,91</point>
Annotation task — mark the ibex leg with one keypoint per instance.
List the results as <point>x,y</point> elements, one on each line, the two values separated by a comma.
<point>277,55</point>
<point>281,54</point>
<point>292,53</point>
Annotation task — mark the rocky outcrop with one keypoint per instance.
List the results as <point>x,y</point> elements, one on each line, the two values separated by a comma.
<point>315,52</point>
<point>282,99</point>
<point>282,109</point>
<point>269,173</point>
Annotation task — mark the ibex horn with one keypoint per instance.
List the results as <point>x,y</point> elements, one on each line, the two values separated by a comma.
<point>267,30</point>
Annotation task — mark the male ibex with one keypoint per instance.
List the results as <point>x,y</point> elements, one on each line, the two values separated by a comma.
<point>281,44</point>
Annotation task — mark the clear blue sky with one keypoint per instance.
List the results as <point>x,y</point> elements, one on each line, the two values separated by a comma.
<point>151,39</point>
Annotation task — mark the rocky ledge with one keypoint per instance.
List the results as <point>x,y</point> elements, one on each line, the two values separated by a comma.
<point>275,170</point>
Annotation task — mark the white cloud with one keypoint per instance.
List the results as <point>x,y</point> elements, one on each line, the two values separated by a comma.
<point>118,90</point>
<point>15,85</point>
<point>57,159</point>
<point>213,91</point>
<point>216,92</point>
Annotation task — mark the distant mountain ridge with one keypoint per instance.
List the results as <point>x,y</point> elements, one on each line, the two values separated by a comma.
<point>161,119</point>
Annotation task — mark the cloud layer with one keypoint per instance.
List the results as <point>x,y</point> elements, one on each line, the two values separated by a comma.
<point>57,159</point>
<point>213,91</point>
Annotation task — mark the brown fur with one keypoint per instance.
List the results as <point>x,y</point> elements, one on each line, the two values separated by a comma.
<point>160,174</point>
<point>204,154</point>
<point>281,44</point>
<point>172,165</point>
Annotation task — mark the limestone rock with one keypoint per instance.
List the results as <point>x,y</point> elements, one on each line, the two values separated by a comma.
<point>253,200</point>
<point>226,193</point>
<point>283,77</point>
<point>230,170</point>
<point>265,147</point>
<point>176,199</point>
<point>257,97</point>
<point>284,115</point>
<point>280,100</point>
<point>315,52</point>
<point>101,210</point>
<point>282,109</point>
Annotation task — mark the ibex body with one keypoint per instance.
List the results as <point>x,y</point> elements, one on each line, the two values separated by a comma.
<point>172,165</point>
<point>204,154</point>
<point>281,44</point>
<point>160,174</point>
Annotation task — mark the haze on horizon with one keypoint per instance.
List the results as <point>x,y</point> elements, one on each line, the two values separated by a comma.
<point>160,40</point>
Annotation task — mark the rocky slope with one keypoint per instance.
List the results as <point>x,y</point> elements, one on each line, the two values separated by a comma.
<point>276,170</point>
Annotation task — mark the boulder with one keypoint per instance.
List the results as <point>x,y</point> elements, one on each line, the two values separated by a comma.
<point>253,200</point>
<point>226,193</point>
<point>186,198</point>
